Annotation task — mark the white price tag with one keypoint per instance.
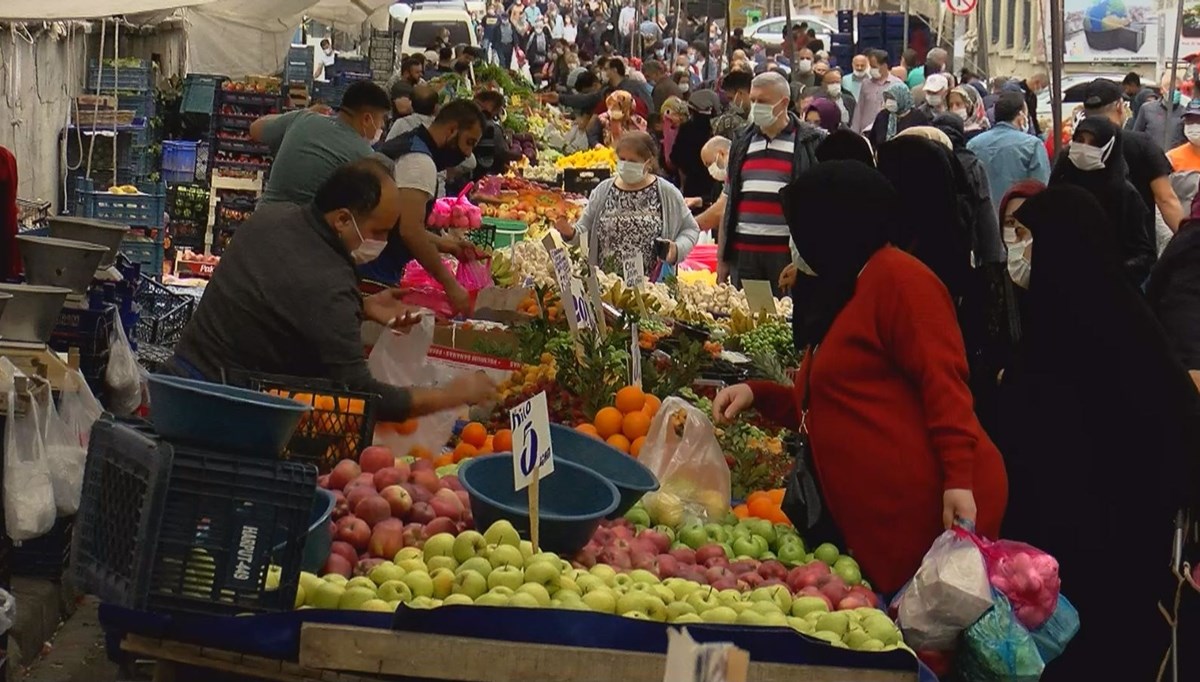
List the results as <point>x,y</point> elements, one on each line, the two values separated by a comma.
<point>635,357</point>
<point>690,661</point>
<point>760,297</point>
<point>562,270</point>
<point>584,318</point>
<point>634,270</point>
<point>530,423</point>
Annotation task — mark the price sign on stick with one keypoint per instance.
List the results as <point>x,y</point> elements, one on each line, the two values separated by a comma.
<point>562,269</point>
<point>634,270</point>
<point>584,317</point>
<point>533,456</point>
<point>690,661</point>
<point>759,296</point>
<point>635,357</point>
<point>593,292</point>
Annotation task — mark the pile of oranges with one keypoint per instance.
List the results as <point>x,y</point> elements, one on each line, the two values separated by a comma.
<point>763,504</point>
<point>473,440</point>
<point>625,424</point>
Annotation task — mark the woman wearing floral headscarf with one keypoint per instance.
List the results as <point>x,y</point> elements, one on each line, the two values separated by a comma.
<point>964,102</point>
<point>619,119</point>
<point>674,114</point>
<point>898,114</point>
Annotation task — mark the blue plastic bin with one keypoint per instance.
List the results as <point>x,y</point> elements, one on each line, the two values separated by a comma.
<point>135,210</point>
<point>222,418</point>
<point>178,161</point>
<point>573,500</point>
<point>137,78</point>
<point>630,477</point>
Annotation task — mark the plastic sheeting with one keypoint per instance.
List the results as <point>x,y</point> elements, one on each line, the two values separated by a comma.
<point>40,10</point>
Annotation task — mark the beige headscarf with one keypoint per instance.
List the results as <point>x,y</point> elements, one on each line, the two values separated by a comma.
<point>929,133</point>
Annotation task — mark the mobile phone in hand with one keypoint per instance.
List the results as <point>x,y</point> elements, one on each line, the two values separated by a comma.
<point>662,248</point>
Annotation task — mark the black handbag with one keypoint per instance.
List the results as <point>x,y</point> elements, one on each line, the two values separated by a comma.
<point>803,503</point>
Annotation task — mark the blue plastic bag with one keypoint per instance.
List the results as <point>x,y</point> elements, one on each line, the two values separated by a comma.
<point>1052,637</point>
<point>997,648</point>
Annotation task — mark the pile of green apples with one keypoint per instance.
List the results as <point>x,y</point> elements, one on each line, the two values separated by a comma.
<point>497,568</point>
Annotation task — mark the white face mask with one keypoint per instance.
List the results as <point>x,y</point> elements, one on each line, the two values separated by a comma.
<point>762,115</point>
<point>631,172</point>
<point>890,105</point>
<point>961,113</point>
<point>1019,267</point>
<point>616,114</point>
<point>369,249</point>
<point>1088,158</point>
<point>875,73</point>
<point>1192,132</point>
<point>860,73</point>
<point>683,87</point>
<point>805,65</point>
<point>834,89</point>
<point>934,100</point>
<point>716,171</point>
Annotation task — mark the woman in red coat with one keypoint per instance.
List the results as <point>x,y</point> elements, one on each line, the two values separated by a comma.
<point>898,451</point>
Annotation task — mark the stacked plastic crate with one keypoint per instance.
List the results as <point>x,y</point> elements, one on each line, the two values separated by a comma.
<point>885,31</point>
<point>339,76</point>
<point>118,105</point>
<point>236,107</point>
<point>141,207</point>
<point>382,56</point>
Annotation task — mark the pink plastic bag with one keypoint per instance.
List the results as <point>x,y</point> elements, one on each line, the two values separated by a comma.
<point>456,212</point>
<point>1026,575</point>
<point>474,275</point>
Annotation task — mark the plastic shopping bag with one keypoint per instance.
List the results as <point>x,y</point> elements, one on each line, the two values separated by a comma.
<point>682,451</point>
<point>1054,635</point>
<point>124,375</point>
<point>65,458</point>
<point>1026,575</point>
<point>78,407</point>
<point>998,648</point>
<point>399,359</point>
<point>29,509</point>
<point>949,592</point>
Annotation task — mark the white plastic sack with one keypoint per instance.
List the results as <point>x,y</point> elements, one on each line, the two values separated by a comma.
<point>78,408</point>
<point>681,449</point>
<point>8,611</point>
<point>398,358</point>
<point>65,457</point>
<point>29,509</point>
<point>949,593</point>
<point>123,375</point>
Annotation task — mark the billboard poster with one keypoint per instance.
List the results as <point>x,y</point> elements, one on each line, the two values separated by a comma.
<point>1124,31</point>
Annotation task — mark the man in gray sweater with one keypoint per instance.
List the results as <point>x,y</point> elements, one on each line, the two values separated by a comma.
<point>1156,117</point>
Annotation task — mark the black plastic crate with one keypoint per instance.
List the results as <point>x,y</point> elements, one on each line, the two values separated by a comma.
<point>225,520</point>
<point>483,236</point>
<point>162,313</point>
<point>340,425</point>
<point>257,100</point>
<point>124,489</point>
<point>47,556</point>
<point>88,330</point>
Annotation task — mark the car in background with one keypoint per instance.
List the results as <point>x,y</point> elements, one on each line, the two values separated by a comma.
<point>770,31</point>
<point>428,20</point>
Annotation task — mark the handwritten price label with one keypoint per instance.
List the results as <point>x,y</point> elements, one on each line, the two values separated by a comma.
<point>634,269</point>
<point>584,318</point>
<point>530,423</point>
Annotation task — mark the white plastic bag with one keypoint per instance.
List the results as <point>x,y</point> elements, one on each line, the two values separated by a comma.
<point>78,407</point>
<point>65,457</point>
<point>682,451</point>
<point>124,375</point>
<point>29,509</point>
<point>949,592</point>
<point>399,359</point>
<point>8,611</point>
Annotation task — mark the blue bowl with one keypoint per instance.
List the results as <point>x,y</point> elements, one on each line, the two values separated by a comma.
<point>319,540</point>
<point>222,418</point>
<point>630,476</point>
<point>573,500</point>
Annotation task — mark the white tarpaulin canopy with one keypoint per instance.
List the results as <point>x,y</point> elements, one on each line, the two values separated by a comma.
<point>57,10</point>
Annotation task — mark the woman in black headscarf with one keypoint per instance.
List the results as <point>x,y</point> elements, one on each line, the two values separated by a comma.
<point>844,144</point>
<point>1099,435</point>
<point>1094,161</point>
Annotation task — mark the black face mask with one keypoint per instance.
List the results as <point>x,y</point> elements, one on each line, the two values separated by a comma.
<point>449,155</point>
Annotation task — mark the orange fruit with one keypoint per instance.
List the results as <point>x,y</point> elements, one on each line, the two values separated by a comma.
<point>586,428</point>
<point>324,403</point>
<point>446,459</point>
<point>635,448</point>
<point>755,495</point>
<point>502,441</point>
<point>474,433</point>
<point>619,442</point>
<point>486,449</point>
<point>760,507</point>
<point>635,425</point>
<point>630,399</point>
<point>608,421</point>
<point>406,427</point>
<point>652,405</point>
<point>420,452</point>
<point>741,511</point>
<point>776,515</point>
<point>462,451</point>
<point>776,496</point>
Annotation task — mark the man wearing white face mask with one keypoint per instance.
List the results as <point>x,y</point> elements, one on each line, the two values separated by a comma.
<point>832,82</point>
<point>937,87</point>
<point>754,241</point>
<point>804,73</point>
<point>870,99</point>
<point>299,312</point>
<point>852,82</point>
<point>1186,157</point>
<point>308,145</point>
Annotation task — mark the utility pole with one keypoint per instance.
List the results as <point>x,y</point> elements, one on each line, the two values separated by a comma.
<point>1056,69</point>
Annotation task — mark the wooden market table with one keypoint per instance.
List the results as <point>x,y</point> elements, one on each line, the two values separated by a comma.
<point>343,653</point>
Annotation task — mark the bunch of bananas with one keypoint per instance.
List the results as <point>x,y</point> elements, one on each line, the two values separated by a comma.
<point>597,157</point>
<point>626,299</point>
<point>123,189</point>
<point>502,269</point>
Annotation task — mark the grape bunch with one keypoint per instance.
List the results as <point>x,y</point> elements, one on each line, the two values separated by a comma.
<point>772,338</point>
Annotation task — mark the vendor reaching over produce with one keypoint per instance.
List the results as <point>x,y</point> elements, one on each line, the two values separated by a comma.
<point>898,451</point>
<point>308,146</point>
<point>419,156</point>
<point>632,213</point>
<point>298,312</point>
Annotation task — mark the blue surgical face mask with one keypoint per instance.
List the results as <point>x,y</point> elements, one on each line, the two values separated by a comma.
<point>1176,97</point>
